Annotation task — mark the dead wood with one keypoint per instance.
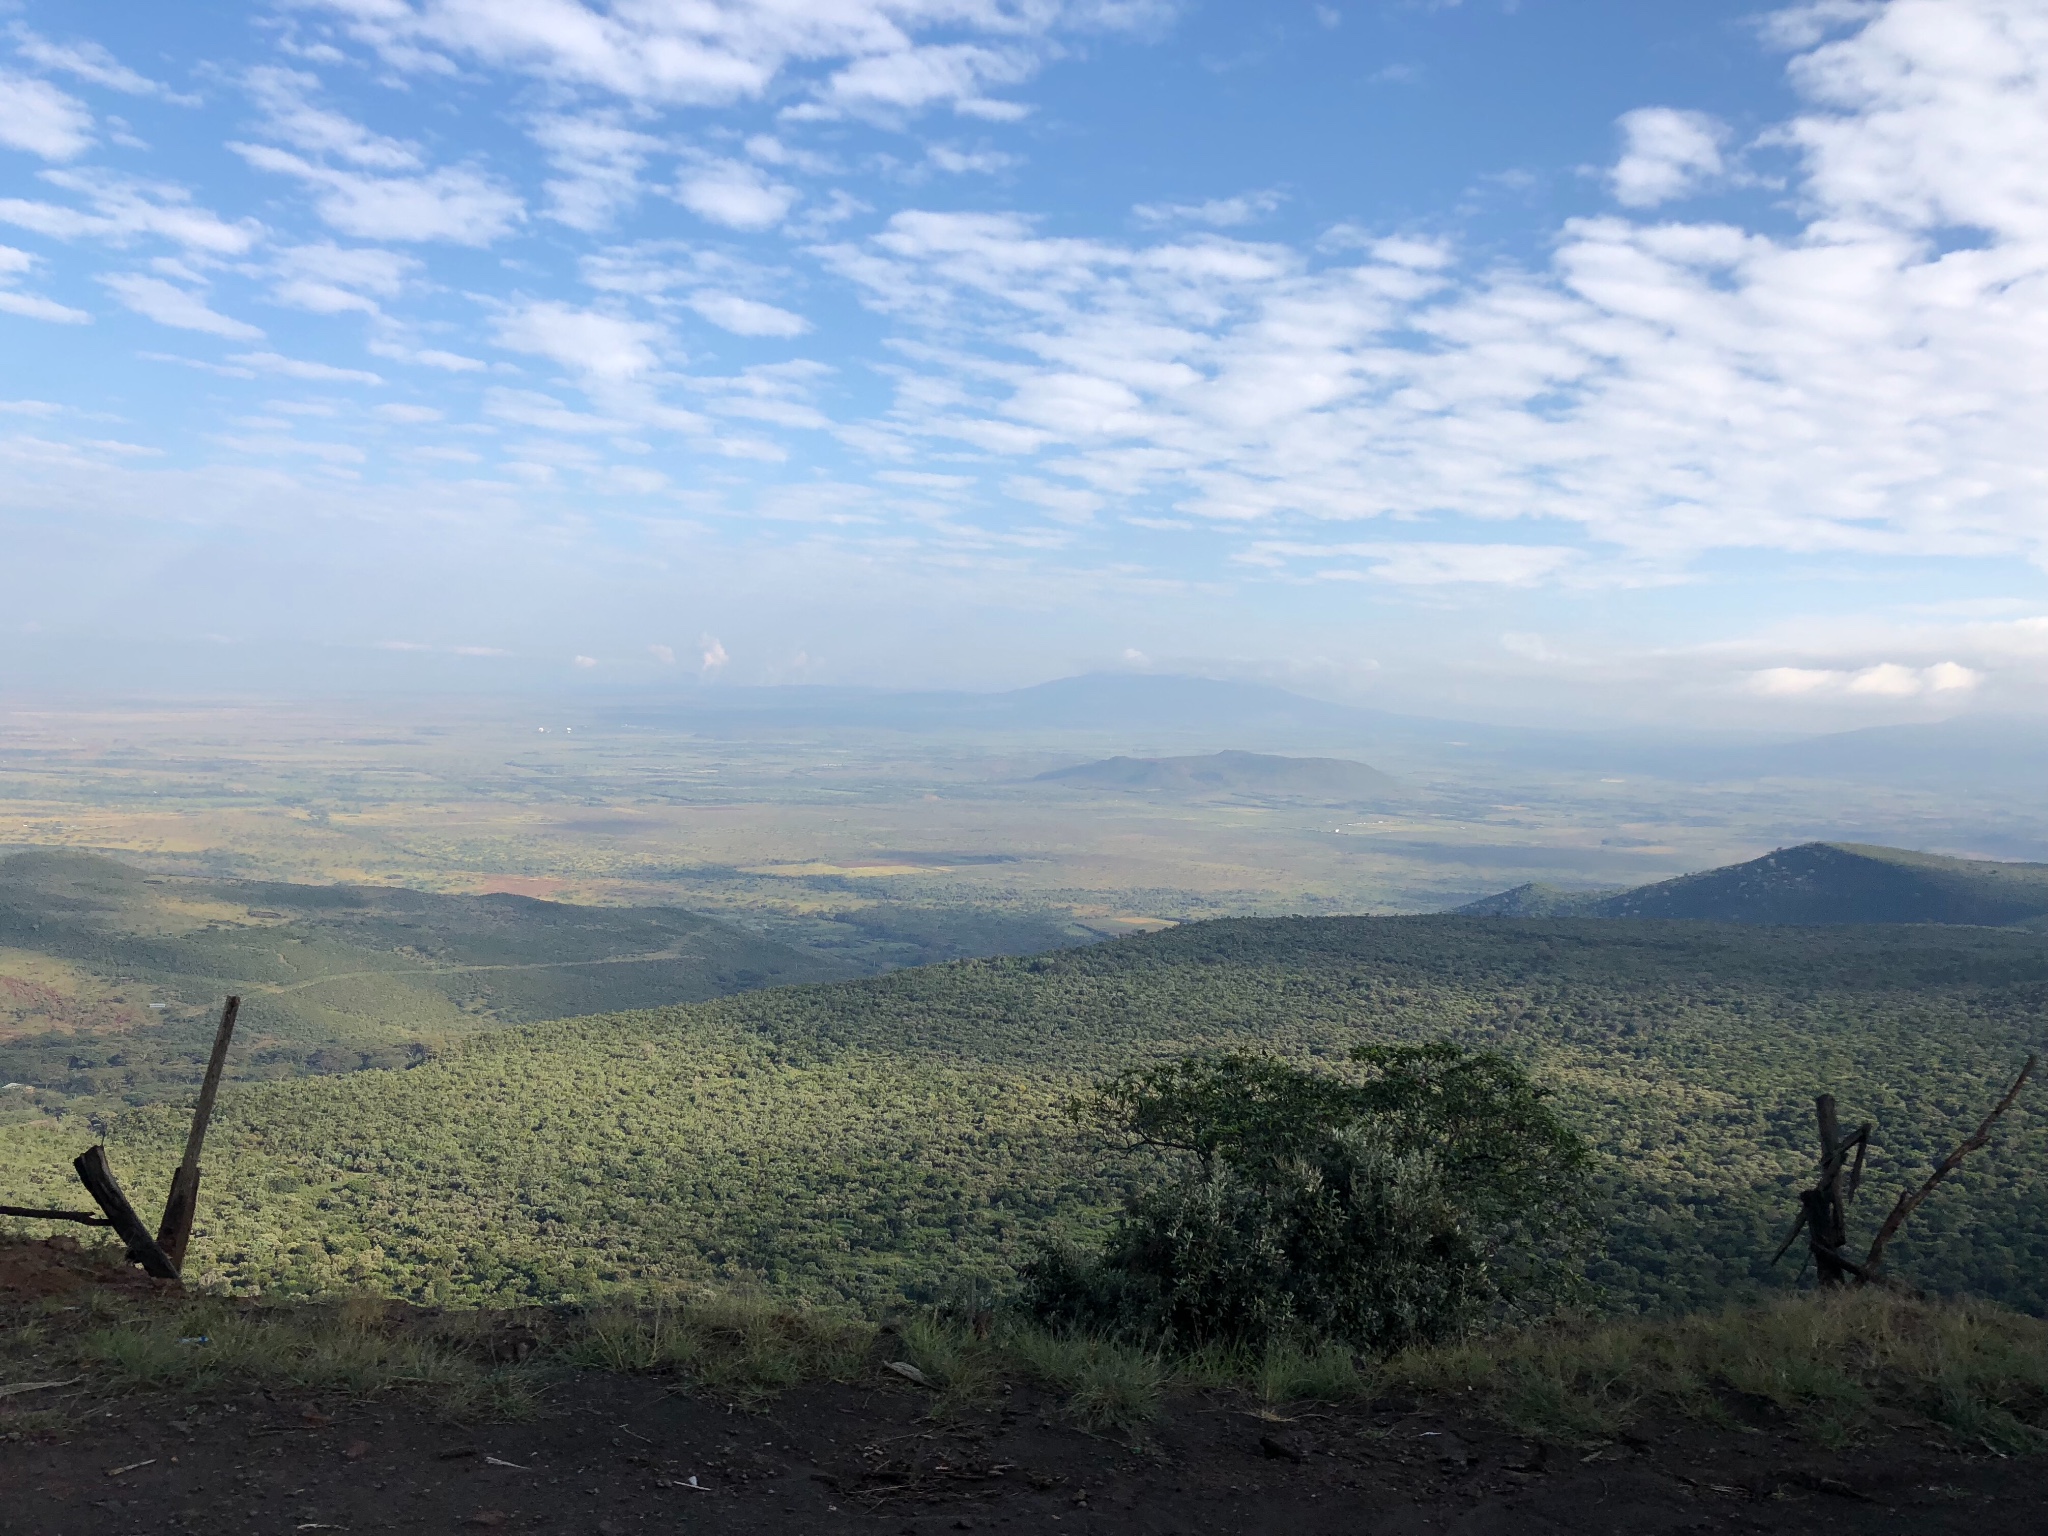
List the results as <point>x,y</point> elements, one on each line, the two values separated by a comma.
<point>100,1183</point>
<point>84,1218</point>
<point>174,1232</point>
<point>1909,1202</point>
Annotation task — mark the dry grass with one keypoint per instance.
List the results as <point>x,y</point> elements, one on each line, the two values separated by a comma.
<point>1837,1367</point>
<point>740,1346</point>
<point>1833,1368</point>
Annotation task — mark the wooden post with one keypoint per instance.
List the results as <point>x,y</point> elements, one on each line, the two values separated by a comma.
<point>174,1232</point>
<point>1828,1222</point>
<point>100,1183</point>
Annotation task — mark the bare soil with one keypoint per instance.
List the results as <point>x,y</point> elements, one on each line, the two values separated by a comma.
<point>622,1455</point>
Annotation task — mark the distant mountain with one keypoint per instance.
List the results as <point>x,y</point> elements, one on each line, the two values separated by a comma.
<point>1096,701</point>
<point>1326,780</point>
<point>1813,883</point>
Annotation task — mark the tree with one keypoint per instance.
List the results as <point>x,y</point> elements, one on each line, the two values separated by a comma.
<point>1393,1205</point>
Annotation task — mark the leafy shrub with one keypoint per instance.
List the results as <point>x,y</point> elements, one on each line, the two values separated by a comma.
<point>1381,1211</point>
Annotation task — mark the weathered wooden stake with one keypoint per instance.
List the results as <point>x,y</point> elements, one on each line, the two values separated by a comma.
<point>1824,1209</point>
<point>174,1232</point>
<point>100,1183</point>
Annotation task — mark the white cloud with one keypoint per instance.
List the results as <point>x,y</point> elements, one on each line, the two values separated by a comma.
<point>123,208</point>
<point>746,317</point>
<point>665,654</point>
<point>1217,212</point>
<point>32,306</point>
<point>168,304</point>
<point>1801,26</point>
<point>531,408</point>
<point>426,357</point>
<point>598,161</point>
<point>407,415</point>
<point>583,661</point>
<point>37,117</point>
<point>382,188</point>
<point>328,279</point>
<point>910,79</point>
<point>735,194</point>
<point>714,657</point>
<point>290,115</point>
<point>1885,680</point>
<point>88,61</point>
<point>454,204</point>
<point>1665,154</point>
<point>298,368</point>
<point>599,346</point>
<point>16,264</point>
<point>853,56</point>
<point>966,162</point>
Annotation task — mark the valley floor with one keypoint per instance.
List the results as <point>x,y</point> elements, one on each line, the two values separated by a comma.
<point>617,1455</point>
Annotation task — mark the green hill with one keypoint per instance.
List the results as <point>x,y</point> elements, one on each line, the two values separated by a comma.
<point>1536,900</point>
<point>1325,780</point>
<point>1812,883</point>
<point>904,1136</point>
<point>110,977</point>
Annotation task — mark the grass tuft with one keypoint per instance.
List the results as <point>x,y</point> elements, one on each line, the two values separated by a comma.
<point>1832,1367</point>
<point>1108,1386</point>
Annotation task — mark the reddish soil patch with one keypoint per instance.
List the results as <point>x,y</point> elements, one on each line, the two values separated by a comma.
<point>58,1266</point>
<point>540,887</point>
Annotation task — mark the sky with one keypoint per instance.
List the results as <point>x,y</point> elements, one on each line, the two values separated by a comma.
<point>1582,361</point>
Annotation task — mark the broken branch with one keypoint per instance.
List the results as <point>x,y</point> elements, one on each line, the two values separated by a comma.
<point>1909,1202</point>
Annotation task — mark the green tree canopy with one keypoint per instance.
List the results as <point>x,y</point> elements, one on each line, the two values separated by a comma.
<point>1398,1202</point>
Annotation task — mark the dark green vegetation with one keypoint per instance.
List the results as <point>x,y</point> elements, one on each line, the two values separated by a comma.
<point>1315,1207</point>
<point>905,1136</point>
<point>1255,775</point>
<point>111,978</point>
<point>1813,883</point>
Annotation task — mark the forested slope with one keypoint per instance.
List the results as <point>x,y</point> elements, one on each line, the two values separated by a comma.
<point>904,1135</point>
<point>110,978</point>
<point>1812,883</point>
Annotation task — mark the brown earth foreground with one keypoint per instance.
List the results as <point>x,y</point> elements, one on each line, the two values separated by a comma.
<point>610,1454</point>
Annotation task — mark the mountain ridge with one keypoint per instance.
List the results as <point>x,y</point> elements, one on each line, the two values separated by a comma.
<point>1811,883</point>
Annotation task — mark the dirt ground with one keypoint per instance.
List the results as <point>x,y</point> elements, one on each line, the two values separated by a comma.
<point>621,1455</point>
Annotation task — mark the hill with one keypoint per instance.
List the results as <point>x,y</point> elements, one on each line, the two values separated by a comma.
<point>906,1136</point>
<point>1536,900</point>
<point>110,977</point>
<point>1325,780</point>
<point>1812,883</point>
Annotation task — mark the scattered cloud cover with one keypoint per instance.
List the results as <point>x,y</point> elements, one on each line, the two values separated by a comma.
<point>835,304</point>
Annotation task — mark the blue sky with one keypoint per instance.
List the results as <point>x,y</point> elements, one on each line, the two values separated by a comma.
<point>1590,361</point>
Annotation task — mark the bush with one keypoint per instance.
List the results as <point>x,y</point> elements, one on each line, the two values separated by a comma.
<point>1384,1210</point>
